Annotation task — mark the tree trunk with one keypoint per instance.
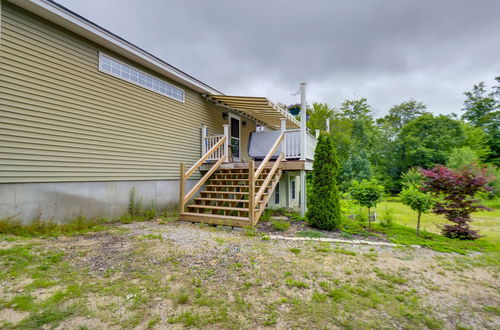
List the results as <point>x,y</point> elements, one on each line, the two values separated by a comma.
<point>418,224</point>
<point>369,220</point>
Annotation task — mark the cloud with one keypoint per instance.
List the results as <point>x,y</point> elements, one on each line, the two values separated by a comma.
<point>387,51</point>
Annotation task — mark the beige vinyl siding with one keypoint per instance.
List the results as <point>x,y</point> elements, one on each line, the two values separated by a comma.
<point>61,119</point>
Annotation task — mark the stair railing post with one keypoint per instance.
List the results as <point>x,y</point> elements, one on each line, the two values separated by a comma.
<point>182,187</point>
<point>226,145</point>
<point>204,133</point>
<point>283,143</point>
<point>251,191</point>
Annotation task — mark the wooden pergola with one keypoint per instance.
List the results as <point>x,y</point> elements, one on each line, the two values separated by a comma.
<point>258,108</point>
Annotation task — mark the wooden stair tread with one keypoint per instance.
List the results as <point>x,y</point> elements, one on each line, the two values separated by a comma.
<point>221,200</point>
<point>207,215</point>
<point>227,185</point>
<point>215,207</point>
<point>224,192</point>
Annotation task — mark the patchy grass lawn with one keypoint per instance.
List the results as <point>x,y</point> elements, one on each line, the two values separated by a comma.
<point>153,275</point>
<point>487,222</point>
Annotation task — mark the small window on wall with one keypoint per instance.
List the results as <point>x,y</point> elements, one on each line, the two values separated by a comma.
<point>277,194</point>
<point>292,184</point>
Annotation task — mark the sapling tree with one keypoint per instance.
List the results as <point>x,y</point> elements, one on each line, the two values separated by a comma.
<point>418,200</point>
<point>455,190</point>
<point>368,194</point>
<point>324,201</point>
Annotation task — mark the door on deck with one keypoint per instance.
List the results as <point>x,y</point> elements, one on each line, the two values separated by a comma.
<point>234,136</point>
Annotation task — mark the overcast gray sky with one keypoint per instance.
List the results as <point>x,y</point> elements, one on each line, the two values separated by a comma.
<point>385,50</point>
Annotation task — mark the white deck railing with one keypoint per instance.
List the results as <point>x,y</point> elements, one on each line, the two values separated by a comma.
<point>291,142</point>
<point>210,141</point>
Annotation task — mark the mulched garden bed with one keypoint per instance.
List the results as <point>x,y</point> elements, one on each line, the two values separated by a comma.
<point>302,229</point>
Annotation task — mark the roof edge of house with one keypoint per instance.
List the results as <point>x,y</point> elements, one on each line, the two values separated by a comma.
<point>76,23</point>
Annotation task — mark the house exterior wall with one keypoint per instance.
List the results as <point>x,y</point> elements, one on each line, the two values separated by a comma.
<point>285,192</point>
<point>64,120</point>
<point>64,125</point>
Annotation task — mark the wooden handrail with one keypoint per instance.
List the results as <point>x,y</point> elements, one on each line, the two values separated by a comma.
<point>183,199</point>
<point>269,155</point>
<point>202,180</point>
<point>204,158</point>
<point>269,177</point>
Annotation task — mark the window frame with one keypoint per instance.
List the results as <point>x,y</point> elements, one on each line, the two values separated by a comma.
<point>277,193</point>
<point>136,76</point>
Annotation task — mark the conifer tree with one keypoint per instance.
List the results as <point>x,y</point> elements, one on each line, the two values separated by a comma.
<point>324,204</point>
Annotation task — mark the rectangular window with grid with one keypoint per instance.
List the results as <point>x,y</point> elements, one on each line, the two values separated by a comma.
<point>123,71</point>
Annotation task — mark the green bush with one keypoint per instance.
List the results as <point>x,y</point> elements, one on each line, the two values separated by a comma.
<point>280,225</point>
<point>324,203</point>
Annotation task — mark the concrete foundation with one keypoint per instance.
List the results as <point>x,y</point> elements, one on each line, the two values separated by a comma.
<point>64,201</point>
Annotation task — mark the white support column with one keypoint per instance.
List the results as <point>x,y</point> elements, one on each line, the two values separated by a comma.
<point>303,130</point>
<point>303,195</point>
<point>317,133</point>
<point>303,121</point>
<point>283,143</point>
<point>204,133</point>
<point>328,125</point>
<point>226,145</point>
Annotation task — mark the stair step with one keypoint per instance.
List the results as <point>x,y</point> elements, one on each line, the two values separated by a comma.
<point>227,220</point>
<point>227,185</point>
<point>227,192</point>
<point>221,200</point>
<point>233,179</point>
<point>214,207</point>
<point>224,192</point>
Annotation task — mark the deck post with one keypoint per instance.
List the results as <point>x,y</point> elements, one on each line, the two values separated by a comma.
<point>303,132</point>
<point>204,133</point>
<point>317,133</point>
<point>283,143</point>
<point>303,206</point>
<point>182,187</point>
<point>303,121</point>
<point>226,144</point>
<point>251,191</point>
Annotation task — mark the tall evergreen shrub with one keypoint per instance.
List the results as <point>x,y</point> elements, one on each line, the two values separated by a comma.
<point>324,203</point>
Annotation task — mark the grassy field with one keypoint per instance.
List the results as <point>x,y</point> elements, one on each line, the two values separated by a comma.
<point>487,222</point>
<point>162,274</point>
<point>96,274</point>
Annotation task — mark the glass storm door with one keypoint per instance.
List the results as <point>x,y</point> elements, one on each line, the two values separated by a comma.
<point>234,135</point>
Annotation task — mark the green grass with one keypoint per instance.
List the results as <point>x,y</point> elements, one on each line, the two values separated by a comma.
<point>485,221</point>
<point>40,228</point>
<point>403,230</point>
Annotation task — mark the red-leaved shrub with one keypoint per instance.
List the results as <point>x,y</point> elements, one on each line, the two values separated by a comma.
<point>456,190</point>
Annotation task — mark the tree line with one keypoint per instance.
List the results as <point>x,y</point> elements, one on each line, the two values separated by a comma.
<point>410,136</point>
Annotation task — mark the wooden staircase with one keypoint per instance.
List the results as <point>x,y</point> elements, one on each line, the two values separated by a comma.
<point>230,196</point>
<point>225,199</point>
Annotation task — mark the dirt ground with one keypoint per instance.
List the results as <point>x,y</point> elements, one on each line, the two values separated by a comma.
<point>177,274</point>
